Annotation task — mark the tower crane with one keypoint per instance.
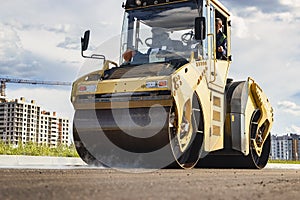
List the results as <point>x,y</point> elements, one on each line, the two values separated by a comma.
<point>3,82</point>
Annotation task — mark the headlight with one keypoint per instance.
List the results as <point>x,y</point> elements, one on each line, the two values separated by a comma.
<point>87,88</point>
<point>162,84</point>
<point>157,84</point>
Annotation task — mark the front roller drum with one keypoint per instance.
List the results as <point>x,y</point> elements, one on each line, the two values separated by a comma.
<point>136,138</point>
<point>126,138</point>
<point>235,159</point>
<point>258,161</point>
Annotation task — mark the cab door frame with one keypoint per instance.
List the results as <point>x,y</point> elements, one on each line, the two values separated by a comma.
<point>217,76</point>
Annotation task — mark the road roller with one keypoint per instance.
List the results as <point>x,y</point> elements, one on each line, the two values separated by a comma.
<point>167,101</point>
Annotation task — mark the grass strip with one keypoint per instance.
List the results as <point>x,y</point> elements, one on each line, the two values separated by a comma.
<point>32,149</point>
<point>285,161</point>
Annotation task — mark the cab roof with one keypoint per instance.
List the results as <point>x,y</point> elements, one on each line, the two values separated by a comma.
<point>140,4</point>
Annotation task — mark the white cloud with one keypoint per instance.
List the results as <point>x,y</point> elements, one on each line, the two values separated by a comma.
<point>285,17</point>
<point>51,39</point>
<point>27,54</point>
<point>240,28</point>
<point>266,6</point>
<point>14,59</point>
<point>9,39</point>
<point>293,129</point>
<point>44,44</point>
<point>70,43</point>
<point>59,28</point>
<point>19,25</point>
<point>268,51</point>
<point>289,107</point>
<point>292,3</point>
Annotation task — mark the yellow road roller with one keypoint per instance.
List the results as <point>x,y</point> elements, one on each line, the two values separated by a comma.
<point>168,102</point>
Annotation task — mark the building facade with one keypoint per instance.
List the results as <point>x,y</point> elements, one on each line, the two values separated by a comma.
<point>286,147</point>
<point>23,122</point>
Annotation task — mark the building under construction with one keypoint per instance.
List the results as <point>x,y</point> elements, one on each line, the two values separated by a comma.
<point>23,122</point>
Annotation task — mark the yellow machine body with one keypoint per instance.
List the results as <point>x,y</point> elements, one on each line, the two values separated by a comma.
<point>234,119</point>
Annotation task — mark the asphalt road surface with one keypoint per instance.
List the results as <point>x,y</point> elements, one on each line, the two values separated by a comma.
<point>101,184</point>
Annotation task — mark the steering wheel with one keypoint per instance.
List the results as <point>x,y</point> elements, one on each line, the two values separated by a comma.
<point>187,37</point>
<point>148,43</point>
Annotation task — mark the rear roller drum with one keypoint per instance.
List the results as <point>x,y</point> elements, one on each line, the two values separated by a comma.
<point>221,159</point>
<point>258,161</point>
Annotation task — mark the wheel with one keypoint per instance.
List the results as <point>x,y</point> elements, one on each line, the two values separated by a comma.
<point>186,143</point>
<point>259,161</point>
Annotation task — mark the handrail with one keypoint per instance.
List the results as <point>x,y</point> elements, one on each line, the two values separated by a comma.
<point>214,57</point>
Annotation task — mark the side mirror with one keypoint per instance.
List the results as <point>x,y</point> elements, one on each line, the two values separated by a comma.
<point>85,41</point>
<point>200,28</point>
<point>85,44</point>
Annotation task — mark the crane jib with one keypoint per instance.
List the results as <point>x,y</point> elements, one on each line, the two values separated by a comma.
<point>3,82</point>
<point>24,81</point>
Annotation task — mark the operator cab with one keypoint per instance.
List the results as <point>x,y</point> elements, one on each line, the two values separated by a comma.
<point>169,31</point>
<point>160,33</point>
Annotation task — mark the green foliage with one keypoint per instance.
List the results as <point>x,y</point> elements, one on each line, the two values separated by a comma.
<point>32,149</point>
<point>285,161</point>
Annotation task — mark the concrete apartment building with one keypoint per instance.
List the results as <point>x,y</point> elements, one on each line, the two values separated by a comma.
<point>286,147</point>
<point>24,122</point>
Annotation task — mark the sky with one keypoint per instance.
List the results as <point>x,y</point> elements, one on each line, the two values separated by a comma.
<point>40,40</point>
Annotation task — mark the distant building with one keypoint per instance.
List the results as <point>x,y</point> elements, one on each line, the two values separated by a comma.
<point>22,122</point>
<point>286,147</point>
<point>52,129</point>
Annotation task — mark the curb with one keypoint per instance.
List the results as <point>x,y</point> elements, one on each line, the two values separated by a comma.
<point>282,166</point>
<point>6,160</point>
<point>48,161</point>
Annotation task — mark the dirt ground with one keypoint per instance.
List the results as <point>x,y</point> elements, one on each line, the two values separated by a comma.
<point>162,184</point>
